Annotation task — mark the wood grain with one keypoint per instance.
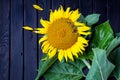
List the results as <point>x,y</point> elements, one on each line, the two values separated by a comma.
<point>100,7</point>
<point>4,39</point>
<point>30,41</point>
<point>113,7</point>
<point>16,48</point>
<point>86,7</point>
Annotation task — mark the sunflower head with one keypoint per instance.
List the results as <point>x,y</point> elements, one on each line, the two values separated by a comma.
<point>63,34</point>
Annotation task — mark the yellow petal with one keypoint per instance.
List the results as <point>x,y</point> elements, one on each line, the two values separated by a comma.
<point>60,55</point>
<point>65,55</point>
<point>84,33</point>
<point>44,23</point>
<point>59,14</point>
<point>56,14</point>
<point>66,14</point>
<point>50,48</point>
<point>75,48</point>
<point>45,48</point>
<point>40,31</point>
<point>81,46</point>
<point>51,16</point>
<point>61,9</point>
<point>67,10</point>
<point>53,52</point>
<point>75,54</point>
<point>74,16</point>
<point>27,28</point>
<point>42,39</point>
<point>83,40</point>
<point>83,29</point>
<point>73,51</point>
<point>44,43</point>
<point>37,7</point>
<point>69,54</point>
<point>79,24</point>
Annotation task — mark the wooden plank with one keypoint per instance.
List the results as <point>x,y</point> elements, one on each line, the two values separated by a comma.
<point>86,7</point>
<point>30,41</point>
<point>16,63</point>
<point>56,4</point>
<point>4,39</point>
<point>74,4</point>
<point>100,7</point>
<point>114,14</point>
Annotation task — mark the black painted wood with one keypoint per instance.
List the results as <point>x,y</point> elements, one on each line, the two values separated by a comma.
<point>20,52</point>
<point>86,7</point>
<point>16,47</point>
<point>114,14</point>
<point>56,4</point>
<point>74,4</point>
<point>30,41</point>
<point>4,39</point>
<point>100,7</point>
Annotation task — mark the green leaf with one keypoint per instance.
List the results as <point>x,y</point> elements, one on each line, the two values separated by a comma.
<point>114,57</point>
<point>92,19</point>
<point>65,71</point>
<point>44,65</point>
<point>115,42</point>
<point>102,36</point>
<point>101,67</point>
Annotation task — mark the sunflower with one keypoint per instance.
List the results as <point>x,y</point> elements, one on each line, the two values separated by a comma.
<point>63,34</point>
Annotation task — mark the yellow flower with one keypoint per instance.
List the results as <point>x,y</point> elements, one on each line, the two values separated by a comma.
<point>63,34</point>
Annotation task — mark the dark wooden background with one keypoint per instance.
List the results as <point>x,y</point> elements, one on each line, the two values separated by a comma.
<point>19,49</point>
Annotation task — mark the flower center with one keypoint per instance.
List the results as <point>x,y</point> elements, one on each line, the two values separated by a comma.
<point>62,33</point>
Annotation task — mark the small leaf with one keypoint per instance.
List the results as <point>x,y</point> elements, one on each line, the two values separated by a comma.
<point>92,19</point>
<point>44,65</point>
<point>65,71</point>
<point>114,57</point>
<point>101,67</point>
<point>102,36</point>
<point>27,28</point>
<point>37,7</point>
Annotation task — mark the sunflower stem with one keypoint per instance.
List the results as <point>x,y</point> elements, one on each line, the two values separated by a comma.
<point>86,63</point>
